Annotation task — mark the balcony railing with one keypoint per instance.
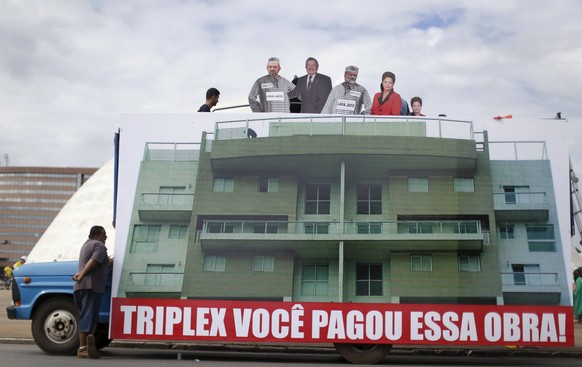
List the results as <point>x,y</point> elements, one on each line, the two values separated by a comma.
<point>179,199</point>
<point>519,199</point>
<point>529,279</point>
<point>517,150</point>
<point>345,125</point>
<point>155,281</point>
<point>423,229</point>
<point>173,152</point>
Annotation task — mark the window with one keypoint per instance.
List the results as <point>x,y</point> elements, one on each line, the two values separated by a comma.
<point>540,238</point>
<point>369,199</point>
<point>316,228</point>
<point>268,184</point>
<point>516,194</point>
<point>467,227</point>
<point>416,227</point>
<point>317,199</point>
<point>263,263</point>
<point>369,228</point>
<point>145,238</point>
<point>368,279</point>
<point>155,274</point>
<point>214,263</point>
<point>418,184</point>
<point>507,232</point>
<point>526,274</point>
<point>315,280</point>
<point>464,184</point>
<point>222,184</point>
<point>469,263</point>
<point>178,232</point>
<point>219,227</point>
<point>170,195</point>
<point>421,263</point>
<point>265,228</point>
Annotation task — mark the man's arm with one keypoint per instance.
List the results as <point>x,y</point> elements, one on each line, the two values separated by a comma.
<point>91,264</point>
<point>253,94</point>
<point>328,107</point>
<point>292,90</point>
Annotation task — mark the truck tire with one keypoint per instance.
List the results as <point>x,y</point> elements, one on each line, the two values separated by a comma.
<point>54,326</point>
<point>363,353</point>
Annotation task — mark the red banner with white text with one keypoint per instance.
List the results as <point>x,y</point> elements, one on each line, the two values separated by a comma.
<point>250,321</point>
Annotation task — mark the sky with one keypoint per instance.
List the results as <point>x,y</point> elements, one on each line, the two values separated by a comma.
<point>69,69</point>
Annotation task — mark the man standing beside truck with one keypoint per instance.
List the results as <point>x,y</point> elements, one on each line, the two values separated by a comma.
<point>91,278</point>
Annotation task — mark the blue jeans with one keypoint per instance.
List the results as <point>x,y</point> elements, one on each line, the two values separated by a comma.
<point>88,303</point>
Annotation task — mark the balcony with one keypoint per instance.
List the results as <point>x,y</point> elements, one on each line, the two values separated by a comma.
<point>154,282</point>
<point>531,288</point>
<point>156,207</point>
<point>521,207</point>
<point>396,235</point>
<point>317,145</point>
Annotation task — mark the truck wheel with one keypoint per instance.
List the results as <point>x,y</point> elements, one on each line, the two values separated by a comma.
<point>54,326</point>
<point>363,353</point>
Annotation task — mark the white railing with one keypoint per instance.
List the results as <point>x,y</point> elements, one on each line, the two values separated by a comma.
<point>530,279</point>
<point>345,125</point>
<point>172,152</point>
<point>423,228</point>
<point>519,199</point>
<point>167,199</point>
<point>517,150</point>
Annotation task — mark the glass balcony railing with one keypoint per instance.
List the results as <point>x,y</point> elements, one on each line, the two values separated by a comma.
<point>345,125</point>
<point>397,229</point>
<point>519,199</point>
<point>531,279</point>
<point>155,281</point>
<point>167,199</point>
<point>172,152</point>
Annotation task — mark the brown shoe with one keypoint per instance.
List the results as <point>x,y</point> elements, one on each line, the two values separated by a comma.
<point>82,353</point>
<point>91,348</point>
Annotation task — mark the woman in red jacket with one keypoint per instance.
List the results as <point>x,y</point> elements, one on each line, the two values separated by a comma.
<point>387,102</point>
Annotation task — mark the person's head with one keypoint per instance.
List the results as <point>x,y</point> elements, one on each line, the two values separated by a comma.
<point>351,74</point>
<point>98,233</point>
<point>416,104</point>
<point>388,80</point>
<point>311,65</point>
<point>23,259</point>
<point>212,96</point>
<point>273,67</point>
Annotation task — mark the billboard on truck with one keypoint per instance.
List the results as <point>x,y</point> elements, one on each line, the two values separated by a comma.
<point>355,230</point>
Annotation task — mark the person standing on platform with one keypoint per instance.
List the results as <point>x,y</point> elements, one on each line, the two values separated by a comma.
<point>212,96</point>
<point>348,98</point>
<point>272,92</point>
<point>313,88</point>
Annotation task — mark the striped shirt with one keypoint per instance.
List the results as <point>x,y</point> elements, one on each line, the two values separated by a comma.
<point>273,94</point>
<point>345,99</point>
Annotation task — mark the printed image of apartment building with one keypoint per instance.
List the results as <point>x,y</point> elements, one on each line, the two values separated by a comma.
<point>345,209</point>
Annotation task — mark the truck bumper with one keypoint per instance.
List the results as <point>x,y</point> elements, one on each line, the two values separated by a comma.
<point>11,312</point>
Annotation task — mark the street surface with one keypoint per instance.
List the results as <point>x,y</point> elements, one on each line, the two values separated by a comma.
<point>30,356</point>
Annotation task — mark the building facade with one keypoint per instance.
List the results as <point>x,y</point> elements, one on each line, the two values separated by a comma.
<point>30,198</point>
<point>397,211</point>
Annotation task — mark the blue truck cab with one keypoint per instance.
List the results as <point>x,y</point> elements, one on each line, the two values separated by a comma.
<point>43,293</point>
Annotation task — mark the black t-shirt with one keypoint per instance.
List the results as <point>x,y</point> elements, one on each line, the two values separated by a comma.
<point>204,108</point>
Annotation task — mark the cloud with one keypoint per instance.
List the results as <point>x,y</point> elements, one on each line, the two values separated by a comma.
<point>68,69</point>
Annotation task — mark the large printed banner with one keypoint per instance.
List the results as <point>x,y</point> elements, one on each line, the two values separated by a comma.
<point>135,318</point>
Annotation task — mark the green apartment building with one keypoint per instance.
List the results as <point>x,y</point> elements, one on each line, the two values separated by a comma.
<point>344,209</point>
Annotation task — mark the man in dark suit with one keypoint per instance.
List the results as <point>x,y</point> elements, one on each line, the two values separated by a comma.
<point>314,88</point>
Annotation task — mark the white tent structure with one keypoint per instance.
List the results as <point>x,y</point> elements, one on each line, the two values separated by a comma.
<point>91,205</point>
